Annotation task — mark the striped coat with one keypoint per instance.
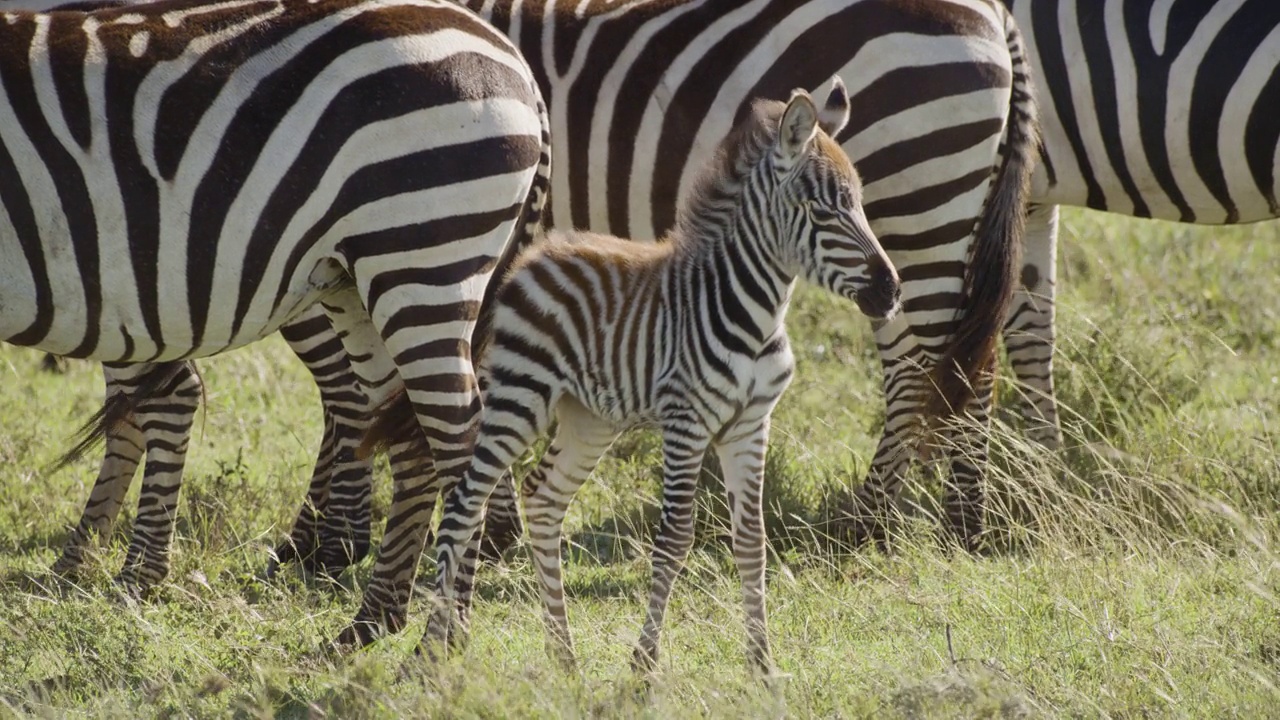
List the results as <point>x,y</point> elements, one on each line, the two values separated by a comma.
<point>182,179</point>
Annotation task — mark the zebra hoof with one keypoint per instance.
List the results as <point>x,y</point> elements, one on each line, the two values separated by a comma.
<point>358,634</point>
<point>67,566</point>
<point>282,555</point>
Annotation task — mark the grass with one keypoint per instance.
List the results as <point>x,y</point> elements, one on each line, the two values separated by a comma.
<point>1135,575</point>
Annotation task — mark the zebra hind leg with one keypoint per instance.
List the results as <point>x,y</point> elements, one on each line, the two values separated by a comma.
<point>165,420</point>
<point>1029,334</point>
<point>502,524</point>
<point>386,596</point>
<point>967,447</point>
<point>866,517</point>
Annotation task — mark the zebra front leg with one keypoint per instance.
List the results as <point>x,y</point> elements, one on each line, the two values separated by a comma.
<point>581,440</point>
<point>684,443</point>
<point>967,444</point>
<point>303,538</point>
<point>515,416</point>
<point>165,419</point>
<point>742,455</point>
<point>1029,334</point>
<point>491,543</point>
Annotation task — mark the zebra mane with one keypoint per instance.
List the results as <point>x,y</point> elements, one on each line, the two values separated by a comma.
<point>713,197</point>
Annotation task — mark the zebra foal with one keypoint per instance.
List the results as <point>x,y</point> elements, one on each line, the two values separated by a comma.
<point>605,334</point>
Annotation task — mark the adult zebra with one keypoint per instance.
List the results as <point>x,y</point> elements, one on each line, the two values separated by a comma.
<point>935,90</point>
<point>1162,110</point>
<point>235,159</point>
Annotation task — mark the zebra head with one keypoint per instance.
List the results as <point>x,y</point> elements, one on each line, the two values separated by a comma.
<point>826,238</point>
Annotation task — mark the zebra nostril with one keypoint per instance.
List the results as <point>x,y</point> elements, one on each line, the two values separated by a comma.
<point>890,285</point>
<point>880,296</point>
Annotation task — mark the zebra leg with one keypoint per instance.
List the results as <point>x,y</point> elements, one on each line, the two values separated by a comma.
<point>491,544</point>
<point>165,420</point>
<point>515,416</point>
<point>55,364</point>
<point>684,443</point>
<point>742,454</point>
<point>1029,332</point>
<point>433,355</point>
<point>124,449</point>
<point>502,524</point>
<point>906,384</point>
<point>580,441</point>
<point>967,446</point>
<point>333,524</point>
<point>413,501</point>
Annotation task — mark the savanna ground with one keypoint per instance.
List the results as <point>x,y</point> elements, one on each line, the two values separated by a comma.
<point>1132,575</point>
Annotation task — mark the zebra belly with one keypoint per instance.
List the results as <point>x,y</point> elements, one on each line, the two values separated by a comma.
<point>104,320</point>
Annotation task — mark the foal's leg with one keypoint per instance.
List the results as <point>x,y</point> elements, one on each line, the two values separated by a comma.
<point>514,417</point>
<point>580,441</point>
<point>684,443</point>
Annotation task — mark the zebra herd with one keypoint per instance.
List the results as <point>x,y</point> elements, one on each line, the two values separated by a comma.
<point>182,178</point>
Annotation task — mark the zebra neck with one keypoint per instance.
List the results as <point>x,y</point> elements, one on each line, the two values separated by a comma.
<point>737,276</point>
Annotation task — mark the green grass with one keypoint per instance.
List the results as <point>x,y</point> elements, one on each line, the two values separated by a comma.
<point>1135,573</point>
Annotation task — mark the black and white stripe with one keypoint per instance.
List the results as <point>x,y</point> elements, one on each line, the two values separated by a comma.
<point>1160,109</point>
<point>644,89</point>
<point>135,422</point>
<point>602,334</point>
<point>181,179</point>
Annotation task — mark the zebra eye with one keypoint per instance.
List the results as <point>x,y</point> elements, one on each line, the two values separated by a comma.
<point>821,214</point>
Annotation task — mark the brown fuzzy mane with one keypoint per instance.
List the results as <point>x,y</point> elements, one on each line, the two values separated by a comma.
<point>717,186</point>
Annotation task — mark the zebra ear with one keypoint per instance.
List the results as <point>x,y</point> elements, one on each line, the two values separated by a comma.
<point>835,112</point>
<point>798,125</point>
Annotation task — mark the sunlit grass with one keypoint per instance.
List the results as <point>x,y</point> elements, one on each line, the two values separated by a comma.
<point>1133,574</point>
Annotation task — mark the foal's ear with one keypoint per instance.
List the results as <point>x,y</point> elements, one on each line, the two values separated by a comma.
<point>798,125</point>
<point>835,111</point>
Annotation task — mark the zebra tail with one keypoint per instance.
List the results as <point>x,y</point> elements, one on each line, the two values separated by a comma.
<point>394,421</point>
<point>992,272</point>
<point>118,410</point>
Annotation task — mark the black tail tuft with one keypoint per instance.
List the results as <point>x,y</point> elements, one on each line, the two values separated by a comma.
<point>119,409</point>
<point>992,272</point>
